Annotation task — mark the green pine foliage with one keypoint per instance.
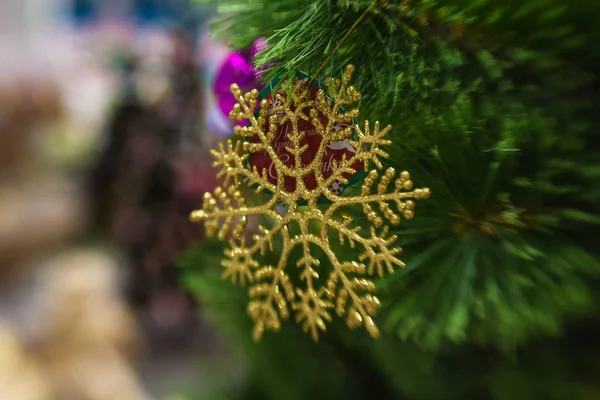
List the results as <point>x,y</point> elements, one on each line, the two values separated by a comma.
<point>494,105</point>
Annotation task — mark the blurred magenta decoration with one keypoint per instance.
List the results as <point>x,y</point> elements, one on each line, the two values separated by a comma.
<point>237,68</point>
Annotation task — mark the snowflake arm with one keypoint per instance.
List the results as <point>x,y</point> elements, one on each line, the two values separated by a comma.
<point>233,207</point>
<point>272,293</point>
<point>341,287</point>
<point>343,95</point>
<point>378,249</point>
<point>232,163</point>
<point>403,199</point>
<point>368,146</point>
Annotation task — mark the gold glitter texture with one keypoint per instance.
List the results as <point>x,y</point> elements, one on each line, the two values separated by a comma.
<point>343,287</point>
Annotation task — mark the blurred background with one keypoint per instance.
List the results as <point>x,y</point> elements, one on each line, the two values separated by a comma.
<point>102,157</point>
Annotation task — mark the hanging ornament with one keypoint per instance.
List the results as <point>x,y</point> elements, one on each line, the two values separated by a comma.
<point>237,68</point>
<point>303,147</point>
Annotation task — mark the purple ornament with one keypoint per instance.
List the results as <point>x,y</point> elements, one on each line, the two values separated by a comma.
<point>237,68</point>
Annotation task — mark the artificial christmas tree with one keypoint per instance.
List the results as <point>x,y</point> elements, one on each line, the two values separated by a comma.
<point>493,105</point>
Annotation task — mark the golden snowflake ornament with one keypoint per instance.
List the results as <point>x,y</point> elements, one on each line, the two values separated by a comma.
<point>303,148</point>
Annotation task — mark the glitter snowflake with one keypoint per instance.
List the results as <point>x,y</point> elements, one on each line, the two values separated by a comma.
<point>316,285</point>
